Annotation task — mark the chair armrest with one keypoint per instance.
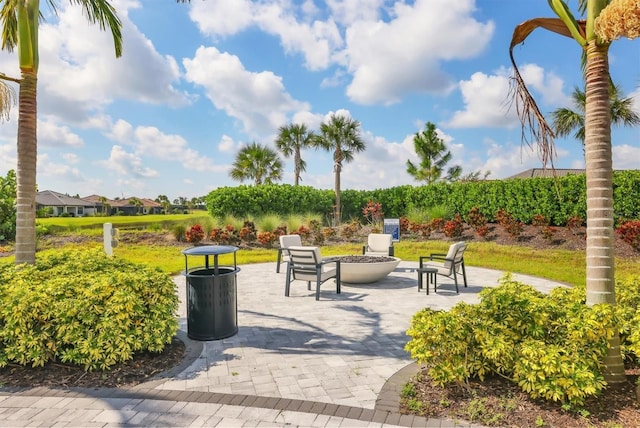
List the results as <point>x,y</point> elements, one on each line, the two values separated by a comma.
<point>329,260</point>
<point>391,250</point>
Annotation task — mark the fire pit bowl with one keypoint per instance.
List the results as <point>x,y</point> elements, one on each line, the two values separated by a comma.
<point>365,269</point>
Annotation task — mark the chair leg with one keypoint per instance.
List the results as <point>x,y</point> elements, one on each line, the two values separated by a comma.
<point>317,286</point>
<point>288,282</point>
<point>464,274</point>
<point>455,279</point>
<point>309,285</point>
<point>279,260</point>
<point>338,279</point>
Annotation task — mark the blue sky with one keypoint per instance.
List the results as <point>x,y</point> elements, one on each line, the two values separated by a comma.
<point>198,81</point>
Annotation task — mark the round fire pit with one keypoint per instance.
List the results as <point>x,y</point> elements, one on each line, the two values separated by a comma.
<point>365,269</point>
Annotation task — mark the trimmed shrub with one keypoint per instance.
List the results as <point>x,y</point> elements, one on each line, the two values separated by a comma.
<point>550,345</point>
<point>629,231</point>
<point>83,308</point>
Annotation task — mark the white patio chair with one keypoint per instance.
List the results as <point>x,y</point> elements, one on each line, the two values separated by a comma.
<point>306,264</point>
<point>450,264</point>
<point>378,244</point>
<point>286,241</point>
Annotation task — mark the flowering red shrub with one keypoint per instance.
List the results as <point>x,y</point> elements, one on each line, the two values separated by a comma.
<point>511,225</point>
<point>482,231</point>
<point>453,228</point>
<point>475,218</point>
<point>629,231</point>
<point>574,223</point>
<point>304,232</point>
<point>267,239</point>
<point>214,235</point>
<point>539,220</point>
<point>503,217</point>
<point>373,212</point>
<point>329,232</point>
<point>436,224</point>
<point>350,229</point>
<point>548,232</point>
<point>280,230</point>
<point>248,232</point>
<point>194,234</point>
<point>404,224</point>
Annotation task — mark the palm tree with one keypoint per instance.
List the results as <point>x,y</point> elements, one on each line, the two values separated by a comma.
<point>258,163</point>
<point>566,120</point>
<point>137,204</point>
<point>105,205</point>
<point>342,135</point>
<point>7,96</point>
<point>19,19</point>
<point>433,155</point>
<point>600,260</point>
<point>291,140</point>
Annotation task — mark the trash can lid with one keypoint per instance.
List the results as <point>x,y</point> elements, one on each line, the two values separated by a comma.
<point>209,250</point>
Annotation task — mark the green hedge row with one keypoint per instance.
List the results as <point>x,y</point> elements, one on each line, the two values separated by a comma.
<point>557,199</point>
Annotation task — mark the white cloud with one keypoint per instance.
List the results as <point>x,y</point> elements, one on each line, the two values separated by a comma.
<point>125,164</point>
<point>227,145</point>
<point>79,73</point>
<point>635,95</point>
<point>488,99</point>
<point>486,103</point>
<point>49,168</point>
<point>258,100</point>
<point>71,158</point>
<point>348,11</point>
<point>150,141</point>
<point>625,157</point>
<point>505,160</point>
<point>392,59</point>
<point>8,158</point>
<point>51,134</point>
<point>547,84</point>
<point>315,40</point>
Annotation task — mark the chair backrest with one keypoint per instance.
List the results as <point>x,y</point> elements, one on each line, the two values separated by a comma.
<point>454,255</point>
<point>287,241</point>
<point>304,259</point>
<point>379,242</point>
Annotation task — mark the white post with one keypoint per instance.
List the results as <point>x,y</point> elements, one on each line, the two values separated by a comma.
<point>110,241</point>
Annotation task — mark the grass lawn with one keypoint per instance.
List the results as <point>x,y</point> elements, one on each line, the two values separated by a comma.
<point>557,265</point>
<point>162,220</point>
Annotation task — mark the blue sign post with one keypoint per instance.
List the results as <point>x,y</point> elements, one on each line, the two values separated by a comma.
<point>392,227</point>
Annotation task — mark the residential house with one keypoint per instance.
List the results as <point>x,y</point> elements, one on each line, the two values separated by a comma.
<point>124,206</point>
<point>60,204</point>
<point>547,172</point>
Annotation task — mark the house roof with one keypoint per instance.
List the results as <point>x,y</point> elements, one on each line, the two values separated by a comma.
<point>547,172</point>
<point>146,202</point>
<point>51,198</point>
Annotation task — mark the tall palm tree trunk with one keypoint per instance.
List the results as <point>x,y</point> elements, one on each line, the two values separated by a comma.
<point>600,230</point>
<point>26,173</point>
<point>338,210</point>
<point>296,167</point>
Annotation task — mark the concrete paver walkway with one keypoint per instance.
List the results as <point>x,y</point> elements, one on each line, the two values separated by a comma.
<point>294,362</point>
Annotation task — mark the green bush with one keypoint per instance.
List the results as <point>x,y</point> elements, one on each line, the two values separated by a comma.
<point>628,311</point>
<point>83,308</point>
<point>551,345</point>
<point>8,206</point>
<point>556,199</point>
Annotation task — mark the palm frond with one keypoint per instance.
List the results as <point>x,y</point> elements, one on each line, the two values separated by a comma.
<point>535,129</point>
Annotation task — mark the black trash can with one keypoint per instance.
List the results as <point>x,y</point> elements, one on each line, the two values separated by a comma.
<point>212,307</point>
